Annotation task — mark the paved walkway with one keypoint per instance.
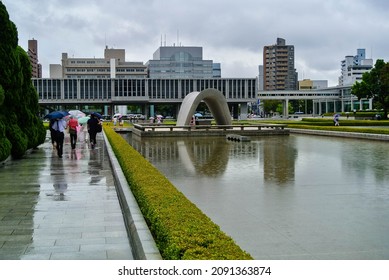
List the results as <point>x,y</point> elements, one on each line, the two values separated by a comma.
<point>52,208</point>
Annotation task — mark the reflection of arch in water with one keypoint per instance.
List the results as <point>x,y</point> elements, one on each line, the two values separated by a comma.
<point>215,101</point>
<point>210,159</point>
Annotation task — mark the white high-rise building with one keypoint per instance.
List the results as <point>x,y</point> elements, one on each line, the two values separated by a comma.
<point>353,68</point>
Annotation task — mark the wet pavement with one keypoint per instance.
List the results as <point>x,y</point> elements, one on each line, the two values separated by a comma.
<point>61,208</point>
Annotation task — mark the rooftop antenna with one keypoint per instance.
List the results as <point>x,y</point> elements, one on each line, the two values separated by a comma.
<point>161,40</point>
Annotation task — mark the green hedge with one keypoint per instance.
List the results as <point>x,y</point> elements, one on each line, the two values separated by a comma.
<point>180,229</point>
<point>342,128</point>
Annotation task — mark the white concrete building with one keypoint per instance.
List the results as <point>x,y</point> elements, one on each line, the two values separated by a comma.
<point>113,65</point>
<point>353,67</point>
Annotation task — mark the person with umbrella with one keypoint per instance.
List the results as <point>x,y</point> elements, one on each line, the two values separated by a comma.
<point>336,119</point>
<point>73,124</point>
<point>59,126</point>
<point>94,127</point>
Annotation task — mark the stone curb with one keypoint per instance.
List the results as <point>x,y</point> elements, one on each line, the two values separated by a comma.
<point>142,242</point>
<point>356,135</point>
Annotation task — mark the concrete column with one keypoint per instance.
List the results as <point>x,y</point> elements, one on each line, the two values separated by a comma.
<point>112,63</point>
<point>243,111</point>
<point>152,113</point>
<point>286,108</point>
<point>146,111</point>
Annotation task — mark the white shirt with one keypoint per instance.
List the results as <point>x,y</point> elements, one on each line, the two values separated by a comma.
<point>59,125</point>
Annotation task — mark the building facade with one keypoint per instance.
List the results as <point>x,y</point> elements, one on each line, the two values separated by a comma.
<point>36,68</point>
<point>308,84</point>
<point>353,67</point>
<point>113,65</point>
<point>279,72</point>
<point>181,62</point>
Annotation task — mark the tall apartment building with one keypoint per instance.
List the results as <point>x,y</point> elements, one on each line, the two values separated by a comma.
<point>113,65</point>
<point>353,67</point>
<point>181,62</point>
<point>36,68</point>
<point>278,67</point>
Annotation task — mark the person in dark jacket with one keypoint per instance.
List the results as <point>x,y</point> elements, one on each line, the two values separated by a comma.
<point>93,127</point>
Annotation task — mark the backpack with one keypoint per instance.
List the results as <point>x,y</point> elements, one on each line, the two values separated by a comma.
<point>99,127</point>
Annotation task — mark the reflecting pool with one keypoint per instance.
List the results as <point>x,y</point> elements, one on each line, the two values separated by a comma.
<point>285,197</point>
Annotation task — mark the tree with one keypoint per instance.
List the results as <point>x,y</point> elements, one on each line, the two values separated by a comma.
<point>20,127</point>
<point>375,84</point>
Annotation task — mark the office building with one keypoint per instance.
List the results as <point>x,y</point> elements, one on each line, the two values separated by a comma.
<point>353,67</point>
<point>113,65</point>
<point>308,84</point>
<point>36,68</point>
<point>181,62</point>
<point>278,65</point>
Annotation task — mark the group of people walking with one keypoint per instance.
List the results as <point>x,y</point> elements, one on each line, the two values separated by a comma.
<point>59,126</point>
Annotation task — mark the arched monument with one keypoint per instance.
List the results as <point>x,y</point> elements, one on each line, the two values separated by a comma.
<point>215,101</point>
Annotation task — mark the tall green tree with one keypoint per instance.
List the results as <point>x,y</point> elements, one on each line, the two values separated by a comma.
<point>20,126</point>
<point>375,84</point>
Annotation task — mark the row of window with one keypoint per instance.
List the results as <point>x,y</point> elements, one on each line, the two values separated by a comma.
<point>147,88</point>
<point>143,70</point>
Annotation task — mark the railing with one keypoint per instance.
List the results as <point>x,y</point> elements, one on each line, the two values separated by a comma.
<point>242,127</point>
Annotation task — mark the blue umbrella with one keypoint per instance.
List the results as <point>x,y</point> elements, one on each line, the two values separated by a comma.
<point>97,115</point>
<point>56,115</point>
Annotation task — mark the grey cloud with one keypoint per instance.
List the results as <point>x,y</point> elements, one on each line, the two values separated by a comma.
<point>231,32</point>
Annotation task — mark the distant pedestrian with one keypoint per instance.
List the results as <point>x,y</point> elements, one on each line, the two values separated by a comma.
<point>59,126</point>
<point>73,124</point>
<point>93,128</point>
<point>336,119</point>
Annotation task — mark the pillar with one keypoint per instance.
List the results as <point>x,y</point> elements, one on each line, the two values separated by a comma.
<point>243,111</point>
<point>285,112</point>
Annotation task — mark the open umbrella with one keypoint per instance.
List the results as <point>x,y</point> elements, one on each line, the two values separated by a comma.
<point>83,120</point>
<point>77,113</point>
<point>97,115</point>
<point>56,115</point>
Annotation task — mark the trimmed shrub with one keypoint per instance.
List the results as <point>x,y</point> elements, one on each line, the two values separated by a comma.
<point>180,229</point>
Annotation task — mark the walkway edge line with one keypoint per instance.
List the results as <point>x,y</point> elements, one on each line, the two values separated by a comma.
<point>141,239</point>
<point>356,135</point>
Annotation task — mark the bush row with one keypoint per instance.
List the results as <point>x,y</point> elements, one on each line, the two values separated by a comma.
<point>329,122</point>
<point>180,229</point>
<point>341,128</point>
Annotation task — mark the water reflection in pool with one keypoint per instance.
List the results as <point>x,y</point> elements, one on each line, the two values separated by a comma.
<point>285,197</point>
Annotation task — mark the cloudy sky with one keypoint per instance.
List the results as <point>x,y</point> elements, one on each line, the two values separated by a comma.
<point>230,32</point>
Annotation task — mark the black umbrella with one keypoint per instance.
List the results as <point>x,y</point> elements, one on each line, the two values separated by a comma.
<point>56,115</point>
<point>97,115</point>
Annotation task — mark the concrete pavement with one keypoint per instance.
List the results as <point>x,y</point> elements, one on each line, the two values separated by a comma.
<point>62,208</point>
